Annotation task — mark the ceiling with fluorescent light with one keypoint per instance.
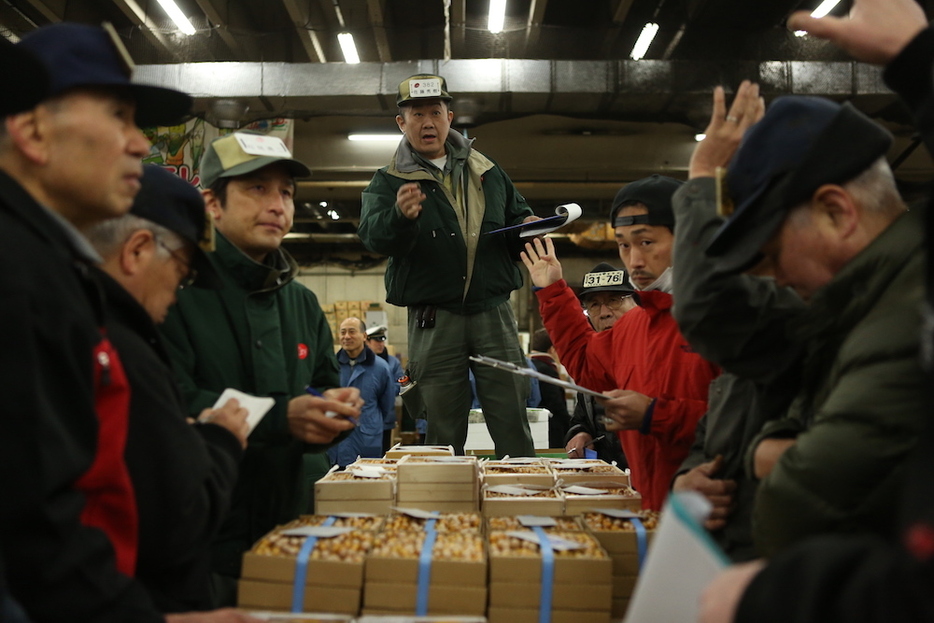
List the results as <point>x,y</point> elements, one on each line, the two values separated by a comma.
<point>554,97</point>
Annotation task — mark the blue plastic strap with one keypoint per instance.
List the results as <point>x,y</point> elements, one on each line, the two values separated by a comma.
<point>301,569</point>
<point>548,575</point>
<point>641,539</point>
<point>424,568</point>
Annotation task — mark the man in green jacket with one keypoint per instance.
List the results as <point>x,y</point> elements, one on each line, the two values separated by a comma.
<point>431,211</point>
<point>262,333</point>
<point>817,208</point>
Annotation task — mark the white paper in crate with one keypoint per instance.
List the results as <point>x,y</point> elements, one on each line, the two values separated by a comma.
<point>681,561</point>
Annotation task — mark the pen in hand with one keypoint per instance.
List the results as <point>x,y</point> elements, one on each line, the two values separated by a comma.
<point>314,392</point>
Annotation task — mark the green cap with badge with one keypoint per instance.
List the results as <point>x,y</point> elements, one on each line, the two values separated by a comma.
<point>245,152</point>
<point>422,87</point>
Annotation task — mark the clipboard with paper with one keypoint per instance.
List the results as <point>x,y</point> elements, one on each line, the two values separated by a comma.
<point>564,214</point>
<point>526,371</point>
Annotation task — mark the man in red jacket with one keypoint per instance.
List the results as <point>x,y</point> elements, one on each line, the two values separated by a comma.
<point>656,384</point>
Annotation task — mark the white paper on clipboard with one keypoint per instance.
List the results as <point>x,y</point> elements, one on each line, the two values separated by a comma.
<point>682,556</point>
<point>526,371</point>
<point>564,214</point>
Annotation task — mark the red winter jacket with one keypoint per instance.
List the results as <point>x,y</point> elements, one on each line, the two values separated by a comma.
<point>643,352</point>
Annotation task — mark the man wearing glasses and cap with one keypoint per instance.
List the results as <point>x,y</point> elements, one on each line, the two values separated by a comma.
<point>376,340</point>
<point>183,474</point>
<point>605,295</point>
<point>430,211</point>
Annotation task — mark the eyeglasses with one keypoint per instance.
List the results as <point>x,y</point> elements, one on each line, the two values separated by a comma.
<point>613,302</point>
<point>190,275</point>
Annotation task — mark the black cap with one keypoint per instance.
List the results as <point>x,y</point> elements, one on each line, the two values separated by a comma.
<point>169,201</point>
<point>606,278</point>
<point>655,193</point>
<point>26,77</point>
<point>77,55</point>
<point>800,144</point>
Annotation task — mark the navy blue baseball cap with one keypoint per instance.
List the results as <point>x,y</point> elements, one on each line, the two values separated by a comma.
<point>77,55</point>
<point>655,193</point>
<point>27,77</point>
<point>799,145</point>
<point>168,200</point>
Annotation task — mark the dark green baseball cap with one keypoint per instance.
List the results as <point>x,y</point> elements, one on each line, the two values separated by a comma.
<point>240,153</point>
<point>422,87</point>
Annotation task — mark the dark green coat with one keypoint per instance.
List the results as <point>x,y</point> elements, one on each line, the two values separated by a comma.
<point>862,406</point>
<point>266,335</point>
<point>428,255</point>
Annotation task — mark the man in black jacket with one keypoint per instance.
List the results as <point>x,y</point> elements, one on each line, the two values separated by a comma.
<point>68,160</point>
<point>183,474</point>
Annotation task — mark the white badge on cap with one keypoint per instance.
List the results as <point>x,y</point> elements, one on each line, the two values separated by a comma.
<point>425,87</point>
<point>593,280</point>
<point>259,145</point>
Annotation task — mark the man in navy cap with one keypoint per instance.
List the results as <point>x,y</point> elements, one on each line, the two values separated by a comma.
<point>815,206</point>
<point>183,475</point>
<point>656,384</point>
<point>68,523</point>
<point>863,578</point>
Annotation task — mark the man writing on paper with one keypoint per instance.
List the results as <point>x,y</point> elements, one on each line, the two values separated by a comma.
<point>656,384</point>
<point>183,475</point>
<point>429,211</point>
<point>262,333</point>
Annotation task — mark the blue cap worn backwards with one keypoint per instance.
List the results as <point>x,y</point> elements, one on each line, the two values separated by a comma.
<point>800,144</point>
<point>77,55</point>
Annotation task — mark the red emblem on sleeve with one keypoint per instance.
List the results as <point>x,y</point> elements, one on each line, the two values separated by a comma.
<point>302,351</point>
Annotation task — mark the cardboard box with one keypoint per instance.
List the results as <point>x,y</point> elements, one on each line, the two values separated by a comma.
<point>278,596</point>
<point>530,615</point>
<point>375,507</point>
<point>337,486</point>
<point>438,492</point>
<point>500,506</point>
<point>563,596</point>
<point>469,506</point>
<point>575,504</point>
<point>320,572</point>
<point>583,471</point>
<point>625,564</point>
<point>443,572</point>
<point>399,451</point>
<point>340,306</point>
<point>619,609</point>
<point>298,617</point>
<point>517,473</point>
<point>413,469</point>
<point>624,585</point>
<point>442,599</point>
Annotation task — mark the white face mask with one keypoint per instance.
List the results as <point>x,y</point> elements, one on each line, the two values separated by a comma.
<point>662,284</point>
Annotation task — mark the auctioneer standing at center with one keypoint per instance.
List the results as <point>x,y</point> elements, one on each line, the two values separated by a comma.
<point>430,211</point>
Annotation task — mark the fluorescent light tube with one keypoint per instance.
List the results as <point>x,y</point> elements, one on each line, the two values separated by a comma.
<point>644,41</point>
<point>383,138</point>
<point>497,15</point>
<point>825,7</point>
<point>348,47</point>
<point>177,16</point>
